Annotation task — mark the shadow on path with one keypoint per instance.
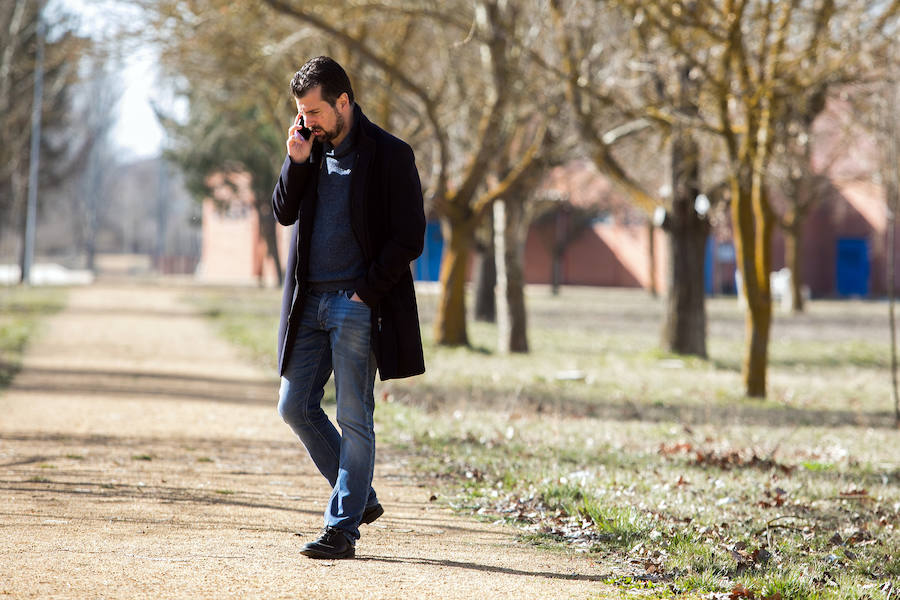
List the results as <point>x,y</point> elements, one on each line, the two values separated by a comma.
<point>479,567</point>
<point>167,494</point>
<point>135,383</point>
<point>118,311</point>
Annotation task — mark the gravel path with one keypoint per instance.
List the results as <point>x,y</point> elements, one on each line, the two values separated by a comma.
<point>141,456</point>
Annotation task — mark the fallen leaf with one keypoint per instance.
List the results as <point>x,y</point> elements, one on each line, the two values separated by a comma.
<point>859,536</point>
<point>761,556</point>
<point>739,591</point>
<point>676,448</point>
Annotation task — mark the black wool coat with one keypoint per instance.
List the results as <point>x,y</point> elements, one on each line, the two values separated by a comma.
<point>388,219</point>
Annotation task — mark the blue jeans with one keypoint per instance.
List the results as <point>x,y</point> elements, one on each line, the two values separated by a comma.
<point>334,335</point>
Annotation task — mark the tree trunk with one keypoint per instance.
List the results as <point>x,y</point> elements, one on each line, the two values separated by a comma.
<point>684,329</point>
<point>515,277</point>
<point>793,258</point>
<point>759,319</point>
<point>450,320</point>
<point>268,232</point>
<point>891,176</point>
<point>751,241</point>
<point>559,248</point>
<point>486,278</point>
<point>651,259</point>
<point>90,259</point>
<point>890,247</point>
<point>503,326</point>
<point>19,191</point>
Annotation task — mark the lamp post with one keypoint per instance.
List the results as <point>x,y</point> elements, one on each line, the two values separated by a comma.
<point>34,159</point>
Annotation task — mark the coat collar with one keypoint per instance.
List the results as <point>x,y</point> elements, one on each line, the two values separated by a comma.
<point>365,153</point>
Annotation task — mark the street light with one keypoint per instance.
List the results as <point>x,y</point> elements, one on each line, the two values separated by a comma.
<point>34,158</point>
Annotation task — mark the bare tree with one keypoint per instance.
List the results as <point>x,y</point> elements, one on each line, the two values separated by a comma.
<point>620,89</point>
<point>63,52</point>
<point>96,100</point>
<point>755,58</point>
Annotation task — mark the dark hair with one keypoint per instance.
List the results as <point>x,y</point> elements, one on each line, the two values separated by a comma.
<point>326,72</point>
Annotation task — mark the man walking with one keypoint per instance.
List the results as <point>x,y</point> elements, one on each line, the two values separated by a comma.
<point>351,192</point>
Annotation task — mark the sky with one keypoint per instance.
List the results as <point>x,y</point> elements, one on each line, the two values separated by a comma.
<point>137,131</point>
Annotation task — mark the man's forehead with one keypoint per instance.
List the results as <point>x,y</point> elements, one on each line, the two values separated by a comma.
<point>311,99</point>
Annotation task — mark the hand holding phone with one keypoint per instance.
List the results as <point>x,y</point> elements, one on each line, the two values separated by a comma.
<point>299,142</point>
<point>304,131</point>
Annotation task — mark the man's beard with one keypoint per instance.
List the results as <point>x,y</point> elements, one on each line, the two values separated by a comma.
<point>327,136</point>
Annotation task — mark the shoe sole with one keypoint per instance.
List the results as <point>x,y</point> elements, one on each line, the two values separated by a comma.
<point>371,514</point>
<point>326,556</point>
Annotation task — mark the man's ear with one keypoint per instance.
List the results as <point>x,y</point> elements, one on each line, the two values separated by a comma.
<point>344,99</point>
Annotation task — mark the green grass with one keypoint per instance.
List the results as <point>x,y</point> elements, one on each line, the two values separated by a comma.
<point>657,465</point>
<point>248,318</point>
<point>21,312</point>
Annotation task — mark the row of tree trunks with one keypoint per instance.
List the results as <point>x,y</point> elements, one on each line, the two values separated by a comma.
<point>500,275</point>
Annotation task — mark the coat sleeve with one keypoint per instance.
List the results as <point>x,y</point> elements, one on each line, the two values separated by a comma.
<point>289,189</point>
<point>406,237</point>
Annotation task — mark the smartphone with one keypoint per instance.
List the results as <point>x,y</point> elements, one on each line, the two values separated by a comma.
<point>304,131</point>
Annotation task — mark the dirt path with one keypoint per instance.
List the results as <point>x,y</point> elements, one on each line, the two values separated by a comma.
<point>140,456</point>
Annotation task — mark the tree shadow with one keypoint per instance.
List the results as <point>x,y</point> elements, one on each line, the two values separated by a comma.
<point>482,567</point>
<point>434,398</point>
<point>139,384</point>
<point>124,311</point>
<point>125,491</point>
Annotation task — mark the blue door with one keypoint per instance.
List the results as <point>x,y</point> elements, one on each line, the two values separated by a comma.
<point>853,267</point>
<point>428,266</point>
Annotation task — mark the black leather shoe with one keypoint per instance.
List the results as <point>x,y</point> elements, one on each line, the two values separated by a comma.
<point>334,543</point>
<point>371,513</point>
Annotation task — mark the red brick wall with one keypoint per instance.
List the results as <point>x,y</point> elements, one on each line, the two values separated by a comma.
<point>229,240</point>
<point>604,254</point>
<point>233,250</point>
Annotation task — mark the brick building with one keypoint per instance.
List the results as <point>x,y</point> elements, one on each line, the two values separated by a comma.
<point>233,251</point>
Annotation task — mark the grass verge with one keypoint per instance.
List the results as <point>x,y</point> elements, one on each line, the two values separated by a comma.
<point>21,312</point>
<point>656,465</point>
